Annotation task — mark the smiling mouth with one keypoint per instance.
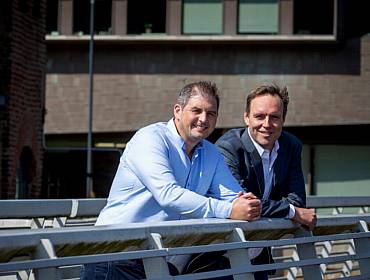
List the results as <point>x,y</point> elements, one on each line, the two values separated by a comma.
<point>265,133</point>
<point>200,127</point>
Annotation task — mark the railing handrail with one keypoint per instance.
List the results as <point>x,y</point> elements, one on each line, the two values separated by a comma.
<point>187,226</point>
<point>50,246</point>
<point>135,231</point>
<point>67,246</point>
<point>33,208</point>
<point>337,201</point>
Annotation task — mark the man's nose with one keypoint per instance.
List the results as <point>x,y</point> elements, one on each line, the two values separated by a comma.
<point>203,116</point>
<point>266,121</point>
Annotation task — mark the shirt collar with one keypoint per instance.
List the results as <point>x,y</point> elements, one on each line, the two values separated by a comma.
<point>260,149</point>
<point>172,128</point>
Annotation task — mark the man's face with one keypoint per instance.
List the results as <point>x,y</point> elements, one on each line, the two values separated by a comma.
<point>197,119</point>
<point>265,119</point>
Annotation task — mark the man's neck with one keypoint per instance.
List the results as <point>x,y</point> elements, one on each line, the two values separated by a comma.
<point>189,152</point>
<point>189,145</point>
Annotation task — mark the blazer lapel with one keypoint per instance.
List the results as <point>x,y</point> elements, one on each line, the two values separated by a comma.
<point>279,166</point>
<point>255,161</point>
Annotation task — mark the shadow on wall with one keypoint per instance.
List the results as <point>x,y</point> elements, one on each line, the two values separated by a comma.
<point>64,174</point>
<point>25,173</point>
<point>269,58</point>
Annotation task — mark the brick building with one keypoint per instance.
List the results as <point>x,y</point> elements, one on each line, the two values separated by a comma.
<point>22,70</point>
<point>319,49</point>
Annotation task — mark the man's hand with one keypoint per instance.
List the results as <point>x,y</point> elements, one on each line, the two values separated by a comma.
<point>306,217</point>
<point>246,207</point>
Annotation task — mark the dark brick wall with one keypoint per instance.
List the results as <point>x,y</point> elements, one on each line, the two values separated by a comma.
<point>22,71</point>
<point>134,85</point>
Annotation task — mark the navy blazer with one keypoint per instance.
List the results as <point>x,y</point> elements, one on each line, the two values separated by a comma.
<point>246,165</point>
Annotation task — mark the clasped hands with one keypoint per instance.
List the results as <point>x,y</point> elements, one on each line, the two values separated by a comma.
<point>246,207</point>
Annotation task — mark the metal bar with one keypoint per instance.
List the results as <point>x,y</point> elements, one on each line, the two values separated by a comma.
<point>45,263</point>
<point>62,207</point>
<point>186,227</point>
<point>156,267</point>
<point>45,250</point>
<point>64,261</point>
<point>337,201</point>
<point>307,251</point>
<point>35,208</point>
<point>363,248</point>
<point>239,257</point>
<point>89,178</point>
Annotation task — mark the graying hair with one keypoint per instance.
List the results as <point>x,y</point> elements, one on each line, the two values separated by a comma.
<point>205,88</point>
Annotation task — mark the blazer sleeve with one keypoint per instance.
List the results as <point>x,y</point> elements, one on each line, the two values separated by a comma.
<point>229,151</point>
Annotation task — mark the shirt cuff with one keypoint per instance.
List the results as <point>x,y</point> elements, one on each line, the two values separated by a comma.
<point>291,211</point>
<point>223,209</point>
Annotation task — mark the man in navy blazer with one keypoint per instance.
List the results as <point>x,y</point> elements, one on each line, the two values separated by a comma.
<point>267,160</point>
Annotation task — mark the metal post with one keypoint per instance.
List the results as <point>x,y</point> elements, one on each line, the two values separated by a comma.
<point>89,179</point>
<point>45,250</point>
<point>362,249</point>
<point>306,251</point>
<point>239,258</point>
<point>157,267</point>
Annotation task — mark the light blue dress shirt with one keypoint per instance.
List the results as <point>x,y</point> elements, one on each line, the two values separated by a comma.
<point>157,181</point>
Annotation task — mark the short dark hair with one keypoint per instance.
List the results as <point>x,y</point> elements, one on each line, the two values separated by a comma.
<point>205,88</point>
<point>269,89</point>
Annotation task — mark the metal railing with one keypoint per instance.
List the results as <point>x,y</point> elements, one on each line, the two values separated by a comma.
<point>45,253</point>
<point>44,213</point>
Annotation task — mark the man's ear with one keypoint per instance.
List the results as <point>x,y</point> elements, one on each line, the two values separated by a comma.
<point>177,110</point>
<point>246,118</point>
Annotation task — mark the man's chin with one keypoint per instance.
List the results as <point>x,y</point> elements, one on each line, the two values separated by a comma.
<point>263,141</point>
<point>199,136</point>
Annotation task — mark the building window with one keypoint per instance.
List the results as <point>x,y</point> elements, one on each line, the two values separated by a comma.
<point>320,24</point>
<point>258,16</point>
<point>102,17</point>
<point>331,160</point>
<point>52,17</point>
<point>146,16</point>
<point>202,16</point>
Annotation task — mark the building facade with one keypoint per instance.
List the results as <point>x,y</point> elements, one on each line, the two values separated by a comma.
<point>142,56</point>
<point>22,71</point>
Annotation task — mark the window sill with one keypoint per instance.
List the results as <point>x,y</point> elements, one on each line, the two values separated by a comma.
<point>196,39</point>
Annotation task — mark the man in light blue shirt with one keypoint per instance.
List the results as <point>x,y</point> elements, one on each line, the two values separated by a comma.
<point>157,181</point>
<point>168,171</point>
